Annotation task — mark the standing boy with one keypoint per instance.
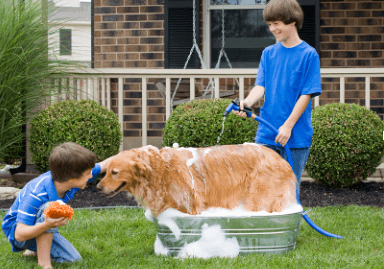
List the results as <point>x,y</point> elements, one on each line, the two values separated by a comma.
<point>25,225</point>
<point>289,77</point>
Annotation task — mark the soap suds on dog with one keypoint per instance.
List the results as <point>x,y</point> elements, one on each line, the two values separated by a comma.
<point>194,160</point>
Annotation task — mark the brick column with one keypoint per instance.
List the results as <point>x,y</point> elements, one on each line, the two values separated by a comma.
<point>130,34</point>
<point>352,35</point>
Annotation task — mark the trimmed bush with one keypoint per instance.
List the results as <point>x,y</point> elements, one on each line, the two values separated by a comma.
<point>83,122</point>
<point>347,144</point>
<point>198,123</point>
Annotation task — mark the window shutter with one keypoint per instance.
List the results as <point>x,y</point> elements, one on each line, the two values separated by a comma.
<point>310,32</point>
<point>179,33</point>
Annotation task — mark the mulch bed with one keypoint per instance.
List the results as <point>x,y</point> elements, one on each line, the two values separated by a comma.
<point>362,194</point>
<point>311,195</point>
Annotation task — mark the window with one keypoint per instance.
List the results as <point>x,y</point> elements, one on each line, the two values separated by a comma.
<point>246,33</point>
<point>65,42</point>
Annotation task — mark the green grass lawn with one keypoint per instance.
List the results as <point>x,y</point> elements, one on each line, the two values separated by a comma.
<point>124,238</point>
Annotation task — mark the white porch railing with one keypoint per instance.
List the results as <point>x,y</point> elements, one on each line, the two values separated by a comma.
<point>91,83</point>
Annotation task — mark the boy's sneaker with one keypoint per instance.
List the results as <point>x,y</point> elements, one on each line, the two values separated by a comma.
<point>29,253</point>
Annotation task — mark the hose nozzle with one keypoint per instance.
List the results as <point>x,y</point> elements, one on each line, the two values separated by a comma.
<point>235,105</point>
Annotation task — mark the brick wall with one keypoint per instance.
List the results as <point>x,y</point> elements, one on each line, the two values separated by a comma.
<point>352,35</point>
<point>130,34</point>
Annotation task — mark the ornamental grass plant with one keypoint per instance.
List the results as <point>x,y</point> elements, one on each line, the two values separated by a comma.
<point>25,68</point>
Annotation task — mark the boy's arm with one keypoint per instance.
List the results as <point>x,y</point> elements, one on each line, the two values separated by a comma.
<point>100,168</point>
<point>255,95</point>
<point>25,232</point>
<point>104,164</point>
<point>286,129</point>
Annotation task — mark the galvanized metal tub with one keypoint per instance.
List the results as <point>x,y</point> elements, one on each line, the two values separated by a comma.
<point>271,234</point>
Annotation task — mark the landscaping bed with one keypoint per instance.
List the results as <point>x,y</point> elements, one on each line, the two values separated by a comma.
<point>311,195</point>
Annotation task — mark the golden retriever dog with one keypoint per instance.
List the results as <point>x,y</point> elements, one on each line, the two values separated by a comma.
<point>192,180</point>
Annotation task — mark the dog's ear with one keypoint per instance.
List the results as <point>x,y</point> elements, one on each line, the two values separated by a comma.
<point>142,169</point>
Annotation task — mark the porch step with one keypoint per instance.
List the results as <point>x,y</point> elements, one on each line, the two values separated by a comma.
<point>369,179</point>
<point>24,177</point>
<point>376,174</point>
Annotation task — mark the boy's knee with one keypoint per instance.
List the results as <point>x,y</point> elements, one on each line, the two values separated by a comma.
<point>40,217</point>
<point>40,213</point>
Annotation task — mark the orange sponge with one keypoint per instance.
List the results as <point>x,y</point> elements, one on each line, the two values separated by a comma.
<point>58,210</point>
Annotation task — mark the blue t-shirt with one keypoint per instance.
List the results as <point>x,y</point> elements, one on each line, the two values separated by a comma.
<point>286,74</point>
<point>34,194</point>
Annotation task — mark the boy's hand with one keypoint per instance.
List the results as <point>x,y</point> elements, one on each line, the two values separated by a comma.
<point>53,223</point>
<point>284,135</point>
<point>241,113</point>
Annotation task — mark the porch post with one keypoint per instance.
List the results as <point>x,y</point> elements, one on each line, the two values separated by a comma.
<point>368,92</point>
<point>144,112</point>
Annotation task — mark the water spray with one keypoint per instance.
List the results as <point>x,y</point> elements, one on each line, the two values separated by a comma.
<point>235,105</point>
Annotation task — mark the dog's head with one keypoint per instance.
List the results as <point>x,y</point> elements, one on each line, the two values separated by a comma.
<point>126,170</point>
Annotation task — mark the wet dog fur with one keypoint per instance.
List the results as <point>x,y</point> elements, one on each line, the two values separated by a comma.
<point>192,180</point>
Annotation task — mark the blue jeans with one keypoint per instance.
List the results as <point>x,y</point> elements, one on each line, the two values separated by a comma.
<point>299,157</point>
<point>61,249</point>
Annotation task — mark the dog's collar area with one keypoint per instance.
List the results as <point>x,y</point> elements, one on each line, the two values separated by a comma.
<point>119,188</point>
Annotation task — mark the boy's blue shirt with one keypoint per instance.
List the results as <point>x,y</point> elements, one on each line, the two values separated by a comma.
<point>34,194</point>
<point>286,74</point>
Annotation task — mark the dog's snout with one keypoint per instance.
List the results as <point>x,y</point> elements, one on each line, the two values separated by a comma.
<point>99,187</point>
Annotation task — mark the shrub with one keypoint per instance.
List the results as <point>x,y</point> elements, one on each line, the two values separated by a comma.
<point>347,144</point>
<point>198,123</point>
<point>83,122</point>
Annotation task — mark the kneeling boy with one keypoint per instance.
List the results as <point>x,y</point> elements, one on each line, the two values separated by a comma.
<point>25,225</point>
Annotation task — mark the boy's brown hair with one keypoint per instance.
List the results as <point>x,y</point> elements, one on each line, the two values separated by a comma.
<point>69,161</point>
<point>286,11</point>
